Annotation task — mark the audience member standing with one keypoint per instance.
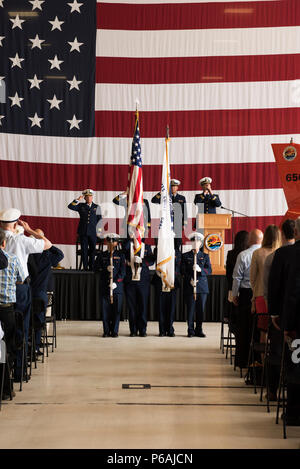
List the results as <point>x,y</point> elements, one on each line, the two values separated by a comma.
<point>21,246</point>
<point>39,266</point>
<point>275,334</point>
<point>8,277</point>
<point>282,306</point>
<point>242,295</point>
<point>271,241</point>
<point>241,241</point>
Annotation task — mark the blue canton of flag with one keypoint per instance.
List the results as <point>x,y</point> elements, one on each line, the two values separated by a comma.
<point>47,63</point>
<point>136,158</point>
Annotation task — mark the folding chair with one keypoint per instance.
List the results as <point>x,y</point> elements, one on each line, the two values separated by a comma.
<point>51,319</point>
<point>289,374</point>
<point>255,349</point>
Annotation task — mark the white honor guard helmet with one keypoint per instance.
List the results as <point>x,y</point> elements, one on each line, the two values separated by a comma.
<point>205,180</point>
<point>10,215</point>
<point>196,236</point>
<point>175,182</point>
<point>111,237</point>
<point>88,192</point>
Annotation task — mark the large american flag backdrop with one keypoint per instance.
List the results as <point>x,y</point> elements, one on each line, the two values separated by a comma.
<point>223,76</point>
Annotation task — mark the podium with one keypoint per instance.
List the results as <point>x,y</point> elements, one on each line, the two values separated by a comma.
<point>214,224</point>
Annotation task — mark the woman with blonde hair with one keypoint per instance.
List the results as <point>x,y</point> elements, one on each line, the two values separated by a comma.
<point>271,241</point>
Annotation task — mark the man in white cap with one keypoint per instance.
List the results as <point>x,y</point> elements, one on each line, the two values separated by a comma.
<point>195,267</point>
<point>179,210</point>
<point>21,246</point>
<point>111,266</point>
<point>89,226</point>
<point>209,200</point>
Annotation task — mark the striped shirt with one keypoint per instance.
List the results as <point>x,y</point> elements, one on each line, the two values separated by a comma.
<point>8,278</point>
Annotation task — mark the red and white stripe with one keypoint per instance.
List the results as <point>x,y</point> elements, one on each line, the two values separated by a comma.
<point>223,75</point>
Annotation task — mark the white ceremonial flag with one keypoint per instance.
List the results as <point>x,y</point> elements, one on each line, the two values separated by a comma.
<point>165,245</point>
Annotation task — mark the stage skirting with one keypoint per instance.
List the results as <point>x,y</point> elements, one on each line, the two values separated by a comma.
<point>77,297</point>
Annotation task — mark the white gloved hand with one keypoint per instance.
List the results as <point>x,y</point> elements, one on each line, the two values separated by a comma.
<point>137,260</point>
<point>114,285</point>
<point>197,268</point>
<point>110,268</point>
<point>192,283</point>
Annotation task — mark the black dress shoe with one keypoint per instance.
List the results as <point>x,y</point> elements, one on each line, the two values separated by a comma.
<point>191,335</point>
<point>172,334</point>
<point>162,335</point>
<point>132,334</point>
<point>105,335</point>
<point>114,334</point>
<point>143,334</point>
<point>200,334</point>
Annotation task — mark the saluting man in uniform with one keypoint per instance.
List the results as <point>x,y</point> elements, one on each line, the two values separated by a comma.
<point>111,265</point>
<point>137,285</point>
<point>195,267</point>
<point>90,216</point>
<point>121,200</point>
<point>209,200</point>
<point>179,210</point>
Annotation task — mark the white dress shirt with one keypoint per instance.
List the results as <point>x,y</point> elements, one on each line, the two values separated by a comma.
<point>241,272</point>
<point>22,246</point>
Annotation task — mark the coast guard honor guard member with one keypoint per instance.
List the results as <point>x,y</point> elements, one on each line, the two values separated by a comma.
<point>195,267</point>
<point>137,285</point>
<point>165,298</point>
<point>111,265</point>
<point>179,210</point>
<point>90,216</point>
<point>209,200</point>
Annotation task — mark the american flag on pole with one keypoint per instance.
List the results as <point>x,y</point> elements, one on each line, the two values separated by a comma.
<point>135,218</point>
<point>223,74</point>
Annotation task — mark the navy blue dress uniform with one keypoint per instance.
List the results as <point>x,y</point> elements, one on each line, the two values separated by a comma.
<point>195,307</point>
<point>137,291</point>
<point>179,212</point>
<point>3,261</point>
<point>166,301</point>
<point>39,266</point>
<point>209,201</point>
<point>88,228</point>
<point>111,312</point>
<point>122,201</point>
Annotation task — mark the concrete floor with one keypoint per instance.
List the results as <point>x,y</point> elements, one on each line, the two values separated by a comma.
<point>76,399</point>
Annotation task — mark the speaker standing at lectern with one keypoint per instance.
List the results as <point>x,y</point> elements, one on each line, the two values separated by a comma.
<point>209,200</point>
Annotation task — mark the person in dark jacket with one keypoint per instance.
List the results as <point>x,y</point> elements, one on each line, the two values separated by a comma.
<point>165,299</point>
<point>39,267</point>
<point>111,266</point>
<point>240,244</point>
<point>3,260</point>
<point>137,285</point>
<point>195,267</point>
<point>89,226</point>
<point>121,200</point>
<point>179,211</point>
<point>207,202</point>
